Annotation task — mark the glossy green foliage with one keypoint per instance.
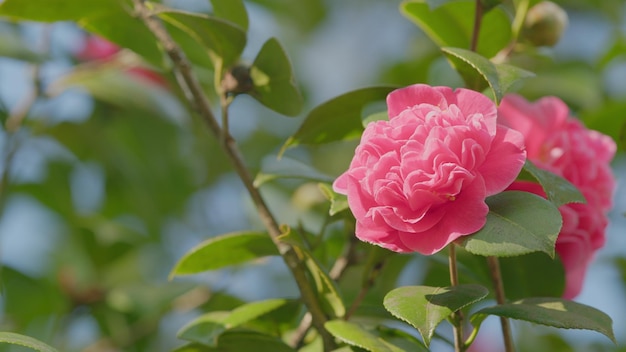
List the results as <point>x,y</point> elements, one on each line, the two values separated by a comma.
<point>551,312</point>
<point>425,307</point>
<point>450,25</point>
<point>559,190</point>
<point>518,223</point>
<point>225,250</point>
<point>479,73</point>
<point>356,335</point>
<point>337,119</point>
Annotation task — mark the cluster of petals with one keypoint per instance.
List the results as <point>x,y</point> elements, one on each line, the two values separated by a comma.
<point>419,180</point>
<point>559,143</point>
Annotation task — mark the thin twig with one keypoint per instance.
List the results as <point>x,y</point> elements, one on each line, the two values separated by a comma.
<point>201,103</point>
<point>457,318</point>
<point>478,16</point>
<point>496,277</point>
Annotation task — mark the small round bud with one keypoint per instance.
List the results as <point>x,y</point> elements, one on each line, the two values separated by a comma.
<point>237,80</point>
<point>545,24</point>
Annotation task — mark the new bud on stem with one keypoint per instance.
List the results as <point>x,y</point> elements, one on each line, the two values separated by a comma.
<point>237,80</point>
<point>545,24</point>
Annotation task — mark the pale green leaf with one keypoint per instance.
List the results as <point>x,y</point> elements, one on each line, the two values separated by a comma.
<point>425,307</point>
<point>288,168</point>
<point>517,223</point>
<point>26,341</point>
<point>225,250</point>
<point>338,202</point>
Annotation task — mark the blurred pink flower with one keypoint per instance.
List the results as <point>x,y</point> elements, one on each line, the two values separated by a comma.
<point>419,180</point>
<point>98,48</point>
<point>563,145</point>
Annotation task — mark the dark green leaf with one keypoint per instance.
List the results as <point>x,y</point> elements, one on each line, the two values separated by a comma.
<point>479,73</point>
<point>273,80</point>
<point>251,341</point>
<point>355,335</point>
<point>223,40</point>
<point>518,223</point>
<point>338,202</point>
<point>337,119</point>
<point>304,15</point>
<point>26,341</point>
<point>451,24</point>
<point>532,275</point>
<point>425,307</point>
<point>288,168</point>
<point>195,347</point>
<point>559,190</point>
<point>225,250</point>
<point>554,312</point>
<point>231,10</point>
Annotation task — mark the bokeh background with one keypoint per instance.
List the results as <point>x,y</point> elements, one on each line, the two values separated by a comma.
<point>109,180</point>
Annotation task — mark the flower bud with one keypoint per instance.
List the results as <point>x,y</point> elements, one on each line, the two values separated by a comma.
<point>237,80</point>
<point>545,24</point>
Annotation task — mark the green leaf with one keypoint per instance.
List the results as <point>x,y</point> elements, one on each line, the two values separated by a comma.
<point>451,24</point>
<point>231,10</point>
<point>554,312</point>
<point>53,10</point>
<point>26,341</point>
<point>238,340</point>
<point>274,81</point>
<point>338,202</point>
<point>337,119</point>
<point>532,275</point>
<point>111,19</point>
<point>288,168</point>
<point>225,250</point>
<point>222,40</point>
<point>517,223</point>
<point>425,307</point>
<point>327,292</point>
<point>195,347</point>
<point>559,190</point>
<point>479,73</point>
<point>207,328</point>
<point>609,120</point>
<point>355,335</point>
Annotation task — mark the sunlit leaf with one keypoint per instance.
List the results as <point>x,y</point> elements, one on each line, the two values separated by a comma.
<point>425,307</point>
<point>338,202</point>
<point>554,312</point>
<point>207,328</point>
<point>337,119</point>
<point>225,250</point>
<point>355,335</point>
<point>26,341</point>
<point>559,190</point>
<point>273,80</point>
<point>518,223</point>
<point>451,24</point>
<point>479,73</point>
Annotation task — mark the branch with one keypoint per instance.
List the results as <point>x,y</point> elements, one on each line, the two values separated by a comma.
<point>189,83</point>
<point>496,277</point>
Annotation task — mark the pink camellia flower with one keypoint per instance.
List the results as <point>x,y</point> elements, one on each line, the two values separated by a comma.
<point>561,144</point>
<point>419,180</point>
